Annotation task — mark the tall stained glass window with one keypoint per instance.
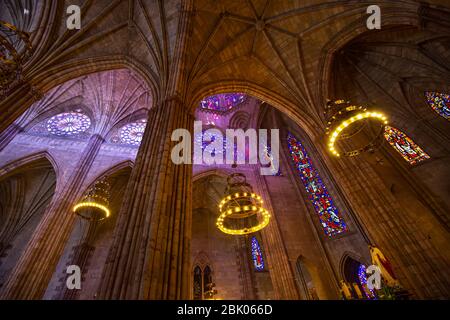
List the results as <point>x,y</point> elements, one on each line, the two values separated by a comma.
<point>329,215</point>
<point>198,290</point>
<point>257,256</point>
<point>440,102</point>
<point>410,151</point>
<point>222,102</point>
<point>68,124</point>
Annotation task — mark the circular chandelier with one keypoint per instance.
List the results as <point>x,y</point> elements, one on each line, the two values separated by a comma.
<point>345,121</point>
<point>94,206</point>
<point>241,210</point>
<point>15,50</point>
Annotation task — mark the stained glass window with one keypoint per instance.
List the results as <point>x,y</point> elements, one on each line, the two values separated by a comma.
<point>132,133</point>
<point>198,290</point>
<point>222,102</point>
<point>257,257</point>
<point>410,151</point>
<point>362,276</point>
<point>440,102</point>
<point>329,215</point>
<point>68,124</point>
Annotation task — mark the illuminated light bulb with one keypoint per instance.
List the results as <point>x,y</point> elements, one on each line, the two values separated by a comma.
<point>236,195</point>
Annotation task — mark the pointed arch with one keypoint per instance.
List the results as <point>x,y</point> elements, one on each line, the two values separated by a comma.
<point>404,145</point>
<point>27,160</point>
<point>202,276</point>
<point>27,186</point>
<point>127,164</point>
<point>281,103</point>
<point>347,259</point>
<point>353,272</point>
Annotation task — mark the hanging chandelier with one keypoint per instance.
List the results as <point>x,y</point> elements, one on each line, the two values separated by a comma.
<point>345,121</point>
<point>241,210</point>
<point>94,206</point>
<point>15,50</point>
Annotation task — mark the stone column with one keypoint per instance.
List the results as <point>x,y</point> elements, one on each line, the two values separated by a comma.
<point>419,266</point>
<point>31,276</point>
<point>248,285</point>
<point>281,273</point>
<point>149,258</point>
<point>81,255</point>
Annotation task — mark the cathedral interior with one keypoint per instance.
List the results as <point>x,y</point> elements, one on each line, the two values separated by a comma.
<point>359,181</point>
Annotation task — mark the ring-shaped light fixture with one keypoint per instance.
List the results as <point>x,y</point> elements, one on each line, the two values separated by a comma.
<point>230,207</point>
<point>91,205</point>
<point>347,115</point>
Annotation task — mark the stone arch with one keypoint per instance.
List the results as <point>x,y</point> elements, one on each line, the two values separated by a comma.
<point>11,166</point>
<point>407,17</point>
<point>66,106</point>
<point>135,116</point>
<point>201,263</point>
<point>127,164</point>
<point>27,187</point>
<point>218,172</point>
<point>286,106</point>
<point>89,243</point>
<point>202,260</point>
<point>354,77</point>
<point>348,260</point>
<point>57,75</point>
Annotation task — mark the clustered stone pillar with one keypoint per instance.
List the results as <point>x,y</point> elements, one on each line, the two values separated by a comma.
<point>248,285</point>
<point>281,273</point>
<point>31,276</point>
<point>80,257</point>
<point>150,255</point>
<point>418,265</point>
